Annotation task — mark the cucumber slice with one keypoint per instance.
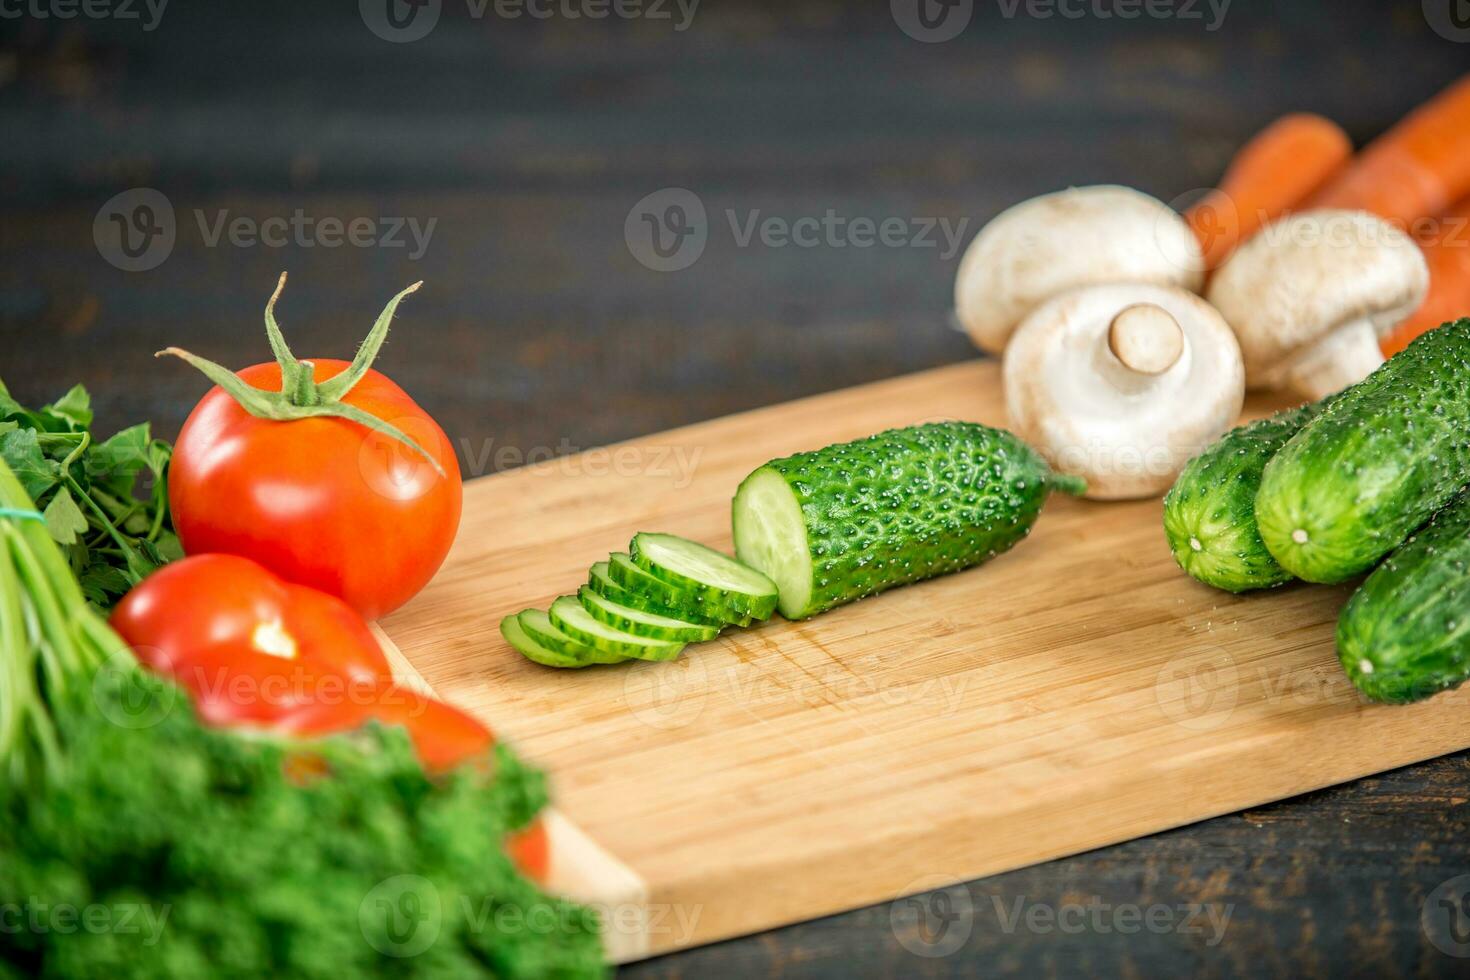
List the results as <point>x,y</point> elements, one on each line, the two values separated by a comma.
<point>515,634</point>
<point>626,574</point>
<point>600,580</point>
<point>568,616</point>
<point>713,577</point>
<point>539,627</point>
<point>642,623</point>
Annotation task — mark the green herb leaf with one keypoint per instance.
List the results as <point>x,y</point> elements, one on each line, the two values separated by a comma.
<point>75,407</point>
<point>142,561</point>
<point>101,583</point>
<point>112,539</point>
<point>64,519</point>
<point>8,406</point>
<point>159,454</point>
<point>114,464</point>
<point>22,453</point>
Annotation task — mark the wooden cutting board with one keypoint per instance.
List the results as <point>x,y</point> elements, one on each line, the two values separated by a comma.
<point>1078,691</point>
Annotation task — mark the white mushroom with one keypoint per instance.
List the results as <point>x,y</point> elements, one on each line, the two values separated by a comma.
<point>1085,236</point>
<point>1310,296</point>
<point>1123,384</point>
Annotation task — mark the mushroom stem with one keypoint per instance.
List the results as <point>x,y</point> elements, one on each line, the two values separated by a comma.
<point>1340,359</point>
<point>1146,338</point>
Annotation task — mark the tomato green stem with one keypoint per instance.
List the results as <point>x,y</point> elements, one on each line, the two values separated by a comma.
<point>334,388</point>
<point>301,396</point>
<point>290,367</point>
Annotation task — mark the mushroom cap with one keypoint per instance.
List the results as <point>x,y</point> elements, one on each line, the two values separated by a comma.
<point>1083,236</point>
<point>1127,431</point>
<point>1309,274</point>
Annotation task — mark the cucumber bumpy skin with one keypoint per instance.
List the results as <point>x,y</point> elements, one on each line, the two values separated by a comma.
<point>1405,633</point>
<point>856,518</point>
<point>665,603</point>
<point>1374,465</point>
<point>609,645</point>
<point>1210,512</point>
<point>640,622</point>
<point>716,580</point>
<point>626,574</point>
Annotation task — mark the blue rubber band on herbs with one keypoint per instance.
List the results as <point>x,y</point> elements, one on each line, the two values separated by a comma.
<point>21,514</point>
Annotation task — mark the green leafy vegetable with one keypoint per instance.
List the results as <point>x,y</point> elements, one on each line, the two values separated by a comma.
<point>135,842</point>
<point>227,865</point>
<point>114,531</point>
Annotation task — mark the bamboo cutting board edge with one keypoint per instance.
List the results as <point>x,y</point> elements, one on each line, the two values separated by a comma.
<point>528,540</point>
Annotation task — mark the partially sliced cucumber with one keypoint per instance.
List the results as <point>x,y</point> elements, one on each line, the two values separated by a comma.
<point>626,574</point>
<point>539,627</point>
<point>568,616</point>
<point>713,577</point>
<point>642,623</point>
<point>515,634</point>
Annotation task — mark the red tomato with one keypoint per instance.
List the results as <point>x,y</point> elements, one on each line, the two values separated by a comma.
<point>531,851</point>
<point>246,645</point>
<point>323,502</point>
<point>234,688</point>
<point>442,735</point>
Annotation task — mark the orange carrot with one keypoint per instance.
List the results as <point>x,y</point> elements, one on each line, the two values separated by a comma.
<point>1446,245</point>
<point>1284,164</point>
<point>1418,168</point>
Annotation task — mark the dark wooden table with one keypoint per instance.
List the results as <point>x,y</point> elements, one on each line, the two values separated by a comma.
<point>527,142</point>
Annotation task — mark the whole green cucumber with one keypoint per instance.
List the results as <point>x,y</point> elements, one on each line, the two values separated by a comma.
<point>1405,633</point>
<point>1376,464</point>
<point>856,518</point>
<point>1210,512</point>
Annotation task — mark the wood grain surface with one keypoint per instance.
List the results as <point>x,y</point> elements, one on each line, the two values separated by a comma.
<point>1077,691</point>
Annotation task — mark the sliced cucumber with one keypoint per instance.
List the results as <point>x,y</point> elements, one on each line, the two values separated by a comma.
<point>568,616</point>
<point>515,634</point>
<point>539,627</point>
<point>600,580</point>
<point>625,573</point>
<point>640,622</point>
<point>714,578</point>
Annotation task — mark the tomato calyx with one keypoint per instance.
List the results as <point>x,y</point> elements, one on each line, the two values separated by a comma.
<point>301,396</point>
